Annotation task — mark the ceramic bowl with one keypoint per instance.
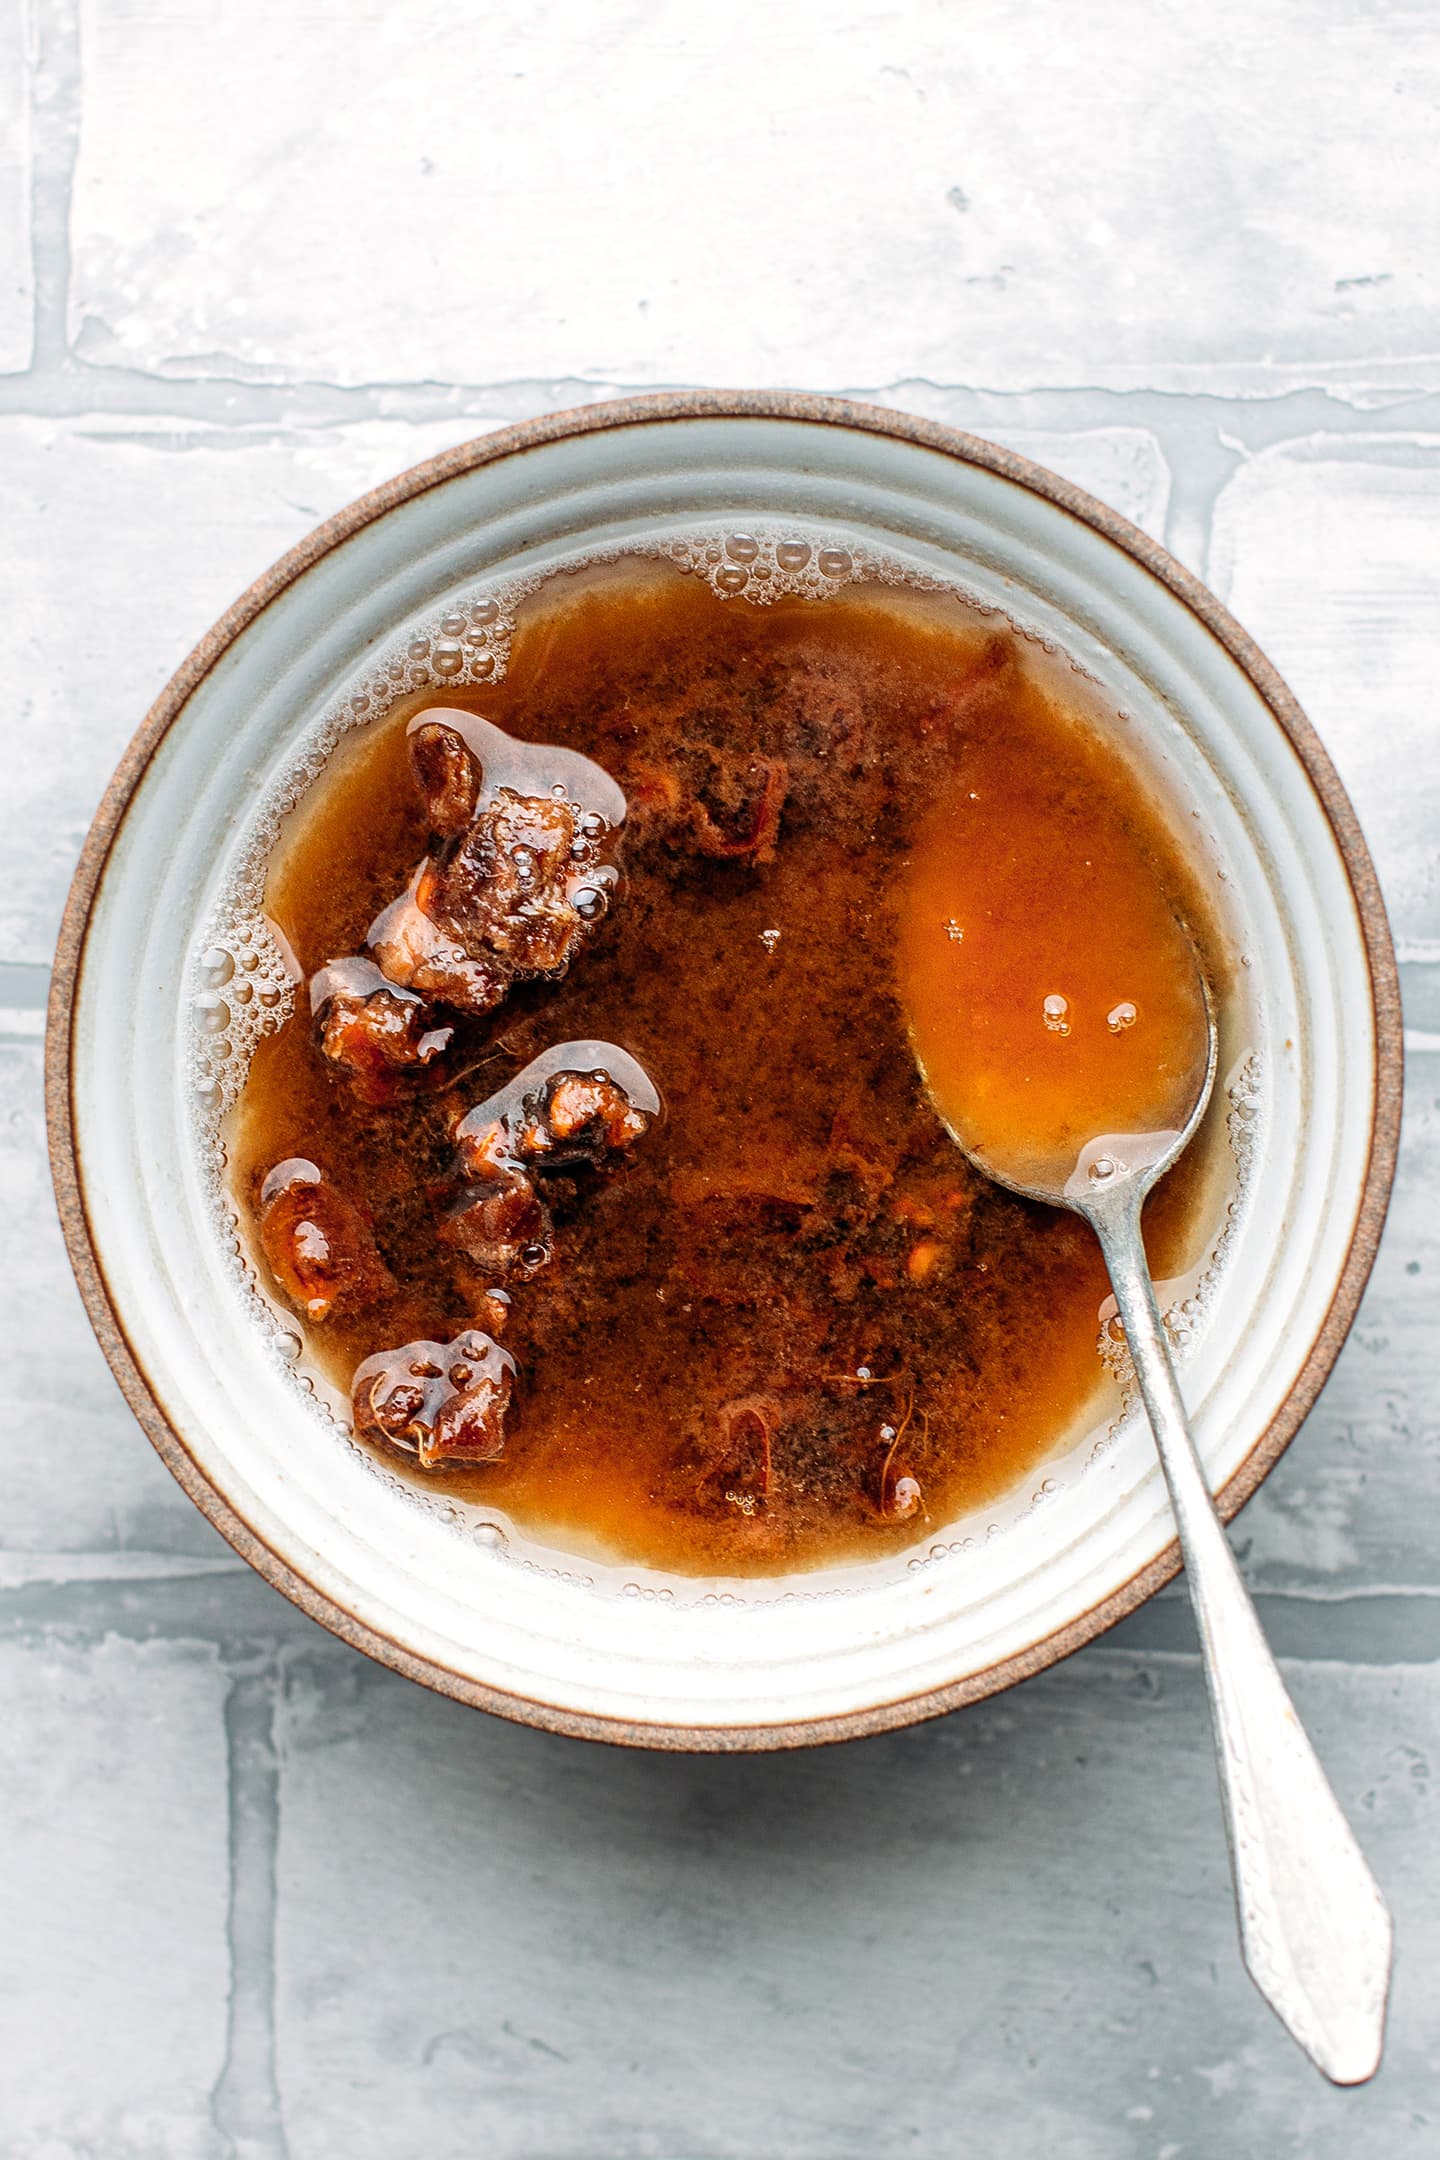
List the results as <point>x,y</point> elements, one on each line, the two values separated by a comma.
<point>446,1593</point>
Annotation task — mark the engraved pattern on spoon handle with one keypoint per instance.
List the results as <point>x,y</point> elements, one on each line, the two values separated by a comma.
<point>1314,1928</point>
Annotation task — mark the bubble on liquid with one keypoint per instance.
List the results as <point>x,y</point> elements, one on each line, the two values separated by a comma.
<point>288,1343</point>
<point>257,972</point>
<point>590,903</point>
<point>1243,1122</point>
<point>1056,1013</point>
<point>769,939</point>
<point>294,1170</point>
<point>954,932</point>
<point>419,648</point>
<point>905,1501</point>
<point>773,566</point>
<point>1121,1016</point>
<point>449,659</point>
<point>484,613</point>
<point>1103,1169</point>
<point>488,1535</point>
<point>453,625</point>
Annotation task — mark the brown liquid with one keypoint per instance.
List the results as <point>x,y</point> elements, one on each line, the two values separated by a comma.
<point>1054,995</point>
<point>800,1217</point>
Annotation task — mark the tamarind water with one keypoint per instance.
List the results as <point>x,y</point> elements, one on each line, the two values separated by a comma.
<point>791,1326</point>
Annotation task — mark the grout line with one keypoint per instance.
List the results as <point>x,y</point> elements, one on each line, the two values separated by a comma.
<point>245,1618</point>
<point>1202,462</point>
<point>60,384</point>
<point>1357,1628</point>
<point>24,990</point>
<point>245,2101</point>
<point>22,1570</point>
<point>229,1606</point>
<point>24,984</point>
<point>55,147</point>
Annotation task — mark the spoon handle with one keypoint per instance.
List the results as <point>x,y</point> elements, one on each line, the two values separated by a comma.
<point>1314,1928</point>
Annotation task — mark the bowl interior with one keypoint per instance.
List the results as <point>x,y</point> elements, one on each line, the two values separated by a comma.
<point>433,1586</point>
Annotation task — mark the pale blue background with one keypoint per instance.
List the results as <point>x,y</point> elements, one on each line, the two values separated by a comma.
<point>260,1898</point>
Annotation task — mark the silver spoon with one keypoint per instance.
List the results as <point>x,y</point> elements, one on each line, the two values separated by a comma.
<point>1314,1928</point>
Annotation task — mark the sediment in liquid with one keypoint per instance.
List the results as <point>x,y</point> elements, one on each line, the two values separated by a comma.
<point>942,1329</point>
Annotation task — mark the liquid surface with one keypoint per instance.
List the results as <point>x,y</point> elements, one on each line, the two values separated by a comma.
<point>792,1325</point>
<point>1053,990</point>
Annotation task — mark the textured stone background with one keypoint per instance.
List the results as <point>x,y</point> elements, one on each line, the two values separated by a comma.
<point>260,1898</point>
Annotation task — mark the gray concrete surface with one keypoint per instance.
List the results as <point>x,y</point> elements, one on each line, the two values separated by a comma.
<point>259,1898</point>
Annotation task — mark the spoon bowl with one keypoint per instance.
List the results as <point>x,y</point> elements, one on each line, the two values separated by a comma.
<point>1110,1164</point>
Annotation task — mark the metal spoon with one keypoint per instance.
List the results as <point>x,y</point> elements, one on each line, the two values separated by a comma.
<point>1314,1928</point>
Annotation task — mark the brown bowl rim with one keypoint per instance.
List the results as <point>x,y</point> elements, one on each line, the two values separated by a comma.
<point>514,441</point>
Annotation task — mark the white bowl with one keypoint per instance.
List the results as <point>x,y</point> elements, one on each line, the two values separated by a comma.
<point>433,1589</point>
